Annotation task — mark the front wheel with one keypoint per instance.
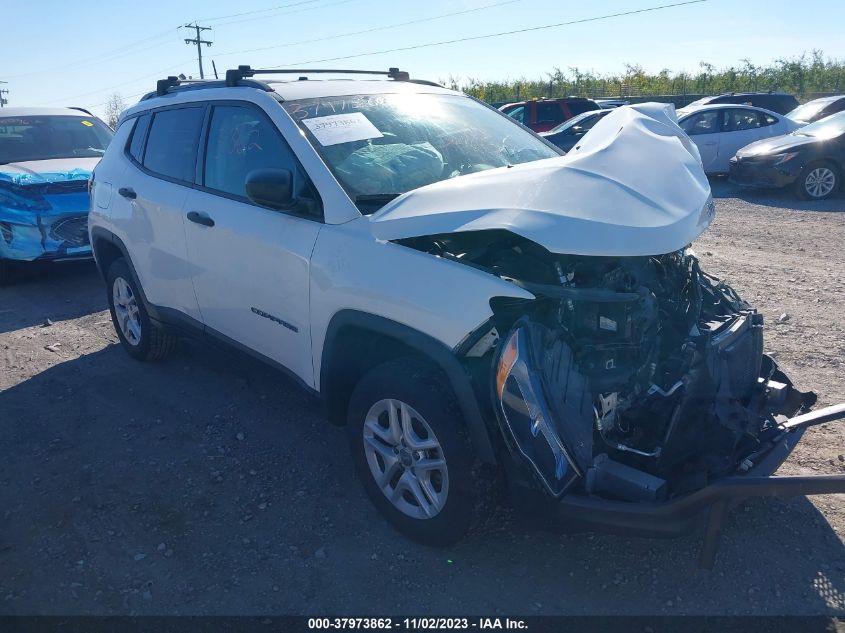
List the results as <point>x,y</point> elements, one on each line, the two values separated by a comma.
<point>411,453</point>
<point>138,335</point>
<point>818,181</point>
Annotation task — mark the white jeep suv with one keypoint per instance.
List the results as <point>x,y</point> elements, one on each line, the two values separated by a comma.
<point>470,304</point>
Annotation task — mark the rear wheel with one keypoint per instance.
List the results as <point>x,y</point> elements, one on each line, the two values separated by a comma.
<point>818,181</point>
<point>410,451</point>
<point>139,336</point>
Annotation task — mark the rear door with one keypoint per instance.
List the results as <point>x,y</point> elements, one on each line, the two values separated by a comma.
<point>250,264</point>
<point>148,206</point>
<point>740,127</point>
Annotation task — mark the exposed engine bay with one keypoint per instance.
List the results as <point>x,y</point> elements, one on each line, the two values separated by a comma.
<point>633,378</point>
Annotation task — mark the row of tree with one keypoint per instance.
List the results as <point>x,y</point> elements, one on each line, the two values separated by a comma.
<point>804,76</point>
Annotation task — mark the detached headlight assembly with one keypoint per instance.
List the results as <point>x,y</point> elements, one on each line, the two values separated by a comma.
<point>526,416</point>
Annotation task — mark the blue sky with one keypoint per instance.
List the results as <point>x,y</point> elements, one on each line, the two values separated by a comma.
<point>56,52</point>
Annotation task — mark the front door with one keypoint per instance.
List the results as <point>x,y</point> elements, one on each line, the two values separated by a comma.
<point>703,128</point>
<point>250,263</point>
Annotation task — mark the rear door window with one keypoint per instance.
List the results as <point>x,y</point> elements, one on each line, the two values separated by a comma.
<point>579,107</point>
<point>139,135</point>
<point>737,120</point>
<point>171,148</point>
<point>767,119</point>
<point>549,112</point>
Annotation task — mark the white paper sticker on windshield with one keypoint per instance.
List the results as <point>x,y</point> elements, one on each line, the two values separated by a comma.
<point>342,128</point>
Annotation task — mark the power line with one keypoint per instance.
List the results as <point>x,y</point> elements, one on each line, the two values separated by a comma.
<point>199,42</point>
<point>492,35</point>
<point>260,17</point>
<point>370,30</point>
<point>71,98</point>
<point>158,73</point>
<point>267,10</point>
<point>118,52</point>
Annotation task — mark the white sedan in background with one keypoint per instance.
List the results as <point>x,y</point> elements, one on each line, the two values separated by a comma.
<point>720,130</point>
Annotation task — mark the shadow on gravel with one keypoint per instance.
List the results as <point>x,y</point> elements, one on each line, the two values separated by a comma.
<point>210,484</point>
<point>776,198</point>
<point>40,291</point>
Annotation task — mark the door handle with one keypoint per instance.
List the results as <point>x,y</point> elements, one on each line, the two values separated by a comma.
<point>200,218</point>
<point>127,192</point>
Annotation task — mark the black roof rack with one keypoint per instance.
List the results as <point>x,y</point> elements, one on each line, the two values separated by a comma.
<point>241,75</point>
<point>234,75</point>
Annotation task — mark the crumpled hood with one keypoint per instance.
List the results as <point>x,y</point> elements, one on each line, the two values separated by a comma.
<point>42,172</point>
<point>633,186</point>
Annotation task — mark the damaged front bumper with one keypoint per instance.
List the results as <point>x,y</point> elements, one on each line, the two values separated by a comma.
<point>684,513</point>
<point>548,425</point>
<point>41,237</point>
<point>46,219</point>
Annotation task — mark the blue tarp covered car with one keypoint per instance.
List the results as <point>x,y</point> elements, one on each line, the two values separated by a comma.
<point>46,159</point>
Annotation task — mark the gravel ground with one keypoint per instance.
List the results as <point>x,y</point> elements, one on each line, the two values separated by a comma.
<point>210,484</point>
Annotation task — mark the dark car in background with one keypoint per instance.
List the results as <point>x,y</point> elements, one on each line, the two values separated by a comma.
<point>541,115</point>
<point>812,159</point>
<point>608,104</point>
<point>778,102</point>
<point>569,133</point>
<point>817,109</point>
<point>46,159</point>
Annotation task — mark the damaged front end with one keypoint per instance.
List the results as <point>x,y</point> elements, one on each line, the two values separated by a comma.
<point>650,372</point>
<point>632,388</point>
<point>634,383</point>
<point>44,216</point>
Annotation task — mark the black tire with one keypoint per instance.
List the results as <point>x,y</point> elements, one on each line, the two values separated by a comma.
<point>424,389</point>
<point>801,185</point>
<point>153,344</point>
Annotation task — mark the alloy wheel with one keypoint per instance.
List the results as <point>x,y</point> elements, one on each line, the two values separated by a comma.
<point>405,459</point>
<point>126,311</point>
<point>820,182</point>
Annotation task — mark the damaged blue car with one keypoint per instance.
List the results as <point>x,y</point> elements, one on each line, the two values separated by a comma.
<point>46,159</point>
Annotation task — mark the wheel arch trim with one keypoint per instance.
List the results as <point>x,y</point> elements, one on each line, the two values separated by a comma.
<point>438,353</point>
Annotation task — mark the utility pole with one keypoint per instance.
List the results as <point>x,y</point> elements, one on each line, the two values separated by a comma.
<point>2,92</point>
<point>199,42</point>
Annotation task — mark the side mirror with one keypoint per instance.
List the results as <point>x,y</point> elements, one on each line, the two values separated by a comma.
<point>271,188</point>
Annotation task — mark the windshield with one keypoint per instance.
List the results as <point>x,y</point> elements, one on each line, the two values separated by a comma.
<point>828,127</point>
<point>379,146</point>
<point>44,137</point>
<point>807,111</point>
